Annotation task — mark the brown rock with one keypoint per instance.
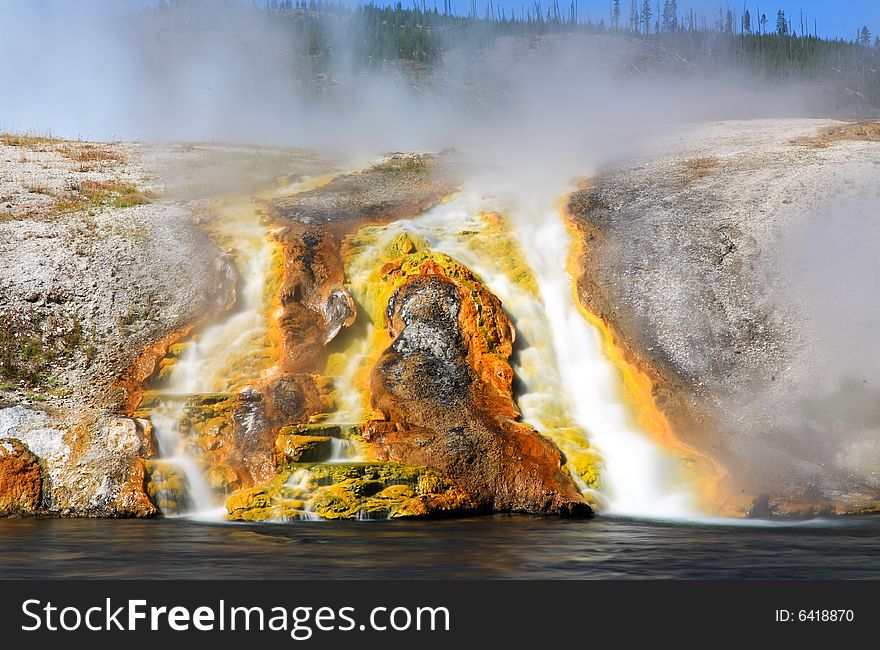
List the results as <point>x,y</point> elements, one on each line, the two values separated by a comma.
<point>21,483</point>
<point>132,500</point>
<point>314,303</point>
<point>235,437</point>
<point>445,382</point>
<point>314,300</point>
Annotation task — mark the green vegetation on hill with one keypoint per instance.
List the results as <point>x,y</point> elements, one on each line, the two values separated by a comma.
<point>774,44</point>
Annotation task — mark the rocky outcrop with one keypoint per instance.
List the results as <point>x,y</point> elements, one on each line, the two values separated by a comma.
<point>92,468</point>
<point>315,304</point>
<point>21,483</point>
<point>713,263</point>
<point>350,491</point>
<point>230,433</point>
<point>444,388</point>
<point>101,271</point>
<point>313,300</point>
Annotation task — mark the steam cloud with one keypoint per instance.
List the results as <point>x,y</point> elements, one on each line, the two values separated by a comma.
<point>230,72</point>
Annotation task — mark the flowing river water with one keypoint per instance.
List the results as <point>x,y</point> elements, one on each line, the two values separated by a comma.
<point>485,547</point>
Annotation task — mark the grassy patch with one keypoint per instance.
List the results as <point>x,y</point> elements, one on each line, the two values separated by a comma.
<point>89,195</point>
<point>40,189</point>
<point>116,194</point>
<point>92,196</point>
<point>91,156</point>
<point>30,344</point>
<point>28,141</point>
<point>402,165</point>
<point>853,131</point>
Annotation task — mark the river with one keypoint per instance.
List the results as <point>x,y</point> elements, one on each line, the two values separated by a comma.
<point>483,547</point>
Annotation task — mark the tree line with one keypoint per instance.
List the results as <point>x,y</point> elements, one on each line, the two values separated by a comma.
<point>775,44</point>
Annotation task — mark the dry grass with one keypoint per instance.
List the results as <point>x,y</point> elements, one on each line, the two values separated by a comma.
<point>86,196</point>
<point>694,169</point>
<point>40,189</point>
<point>401,164</point>
<point>91,156</point>
<point>852,131</point>
<point>28,141</point>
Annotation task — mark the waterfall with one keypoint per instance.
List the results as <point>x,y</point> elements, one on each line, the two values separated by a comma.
<point>173,449</point>
<point>640,477</point>
<point>568,389</point>
<point>570,392</point>
<point>223,356</point>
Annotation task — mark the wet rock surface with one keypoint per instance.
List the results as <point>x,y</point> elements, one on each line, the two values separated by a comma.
<point>314,301</point>
<point>102,269</point>
<point>350,491</point>
<point>687,253</point>
<point>444,388</point>
<point>443,385</point>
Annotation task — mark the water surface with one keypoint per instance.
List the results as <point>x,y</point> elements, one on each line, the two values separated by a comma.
<point>484,547</point>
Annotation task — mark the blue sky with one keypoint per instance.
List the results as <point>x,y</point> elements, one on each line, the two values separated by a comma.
<point>835,18</point>
<point>840,18</point>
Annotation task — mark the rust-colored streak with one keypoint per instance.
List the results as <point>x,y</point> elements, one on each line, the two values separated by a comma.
<point>642,384</point>
<point>142,368</point>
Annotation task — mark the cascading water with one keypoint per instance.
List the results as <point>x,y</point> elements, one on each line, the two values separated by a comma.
<point>640,477</point>
<point>223,356</point>
<point>571,391</point>
<point>226,356</point>
<point>350,408</point>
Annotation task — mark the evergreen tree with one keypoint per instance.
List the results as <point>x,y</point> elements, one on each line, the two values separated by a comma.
<point>747,22</point>
<point>646,16</point>
<point>781,24</point>
<point>865,36</point>
<point>666,25</point>
<point>633,17</point>
<point>615,14</point>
